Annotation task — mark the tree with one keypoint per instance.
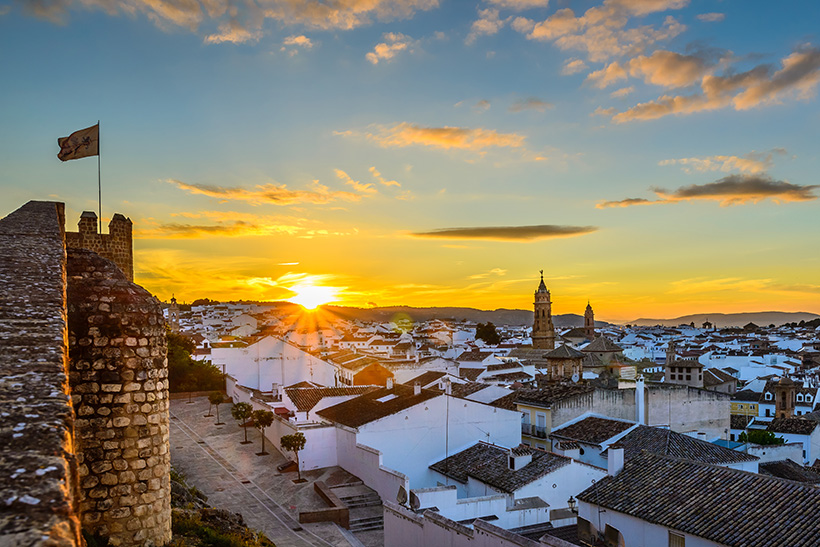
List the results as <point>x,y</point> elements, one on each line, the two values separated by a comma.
<point>216,398</point>
<point>241,412</point>
<point>294,443</point>
<point>759,436</point>
<point>487,333</point>
<point>262,419</point>
<point>186,374</point>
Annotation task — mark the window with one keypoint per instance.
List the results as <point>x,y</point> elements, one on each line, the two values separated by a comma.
<point>768,413</point>
<point>676,540</point>
<point>768,396</point>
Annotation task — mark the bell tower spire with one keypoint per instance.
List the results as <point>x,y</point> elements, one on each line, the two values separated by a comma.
<point>543,331</point>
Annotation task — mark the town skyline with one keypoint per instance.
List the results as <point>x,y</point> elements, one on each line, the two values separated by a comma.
<point>654,157</point>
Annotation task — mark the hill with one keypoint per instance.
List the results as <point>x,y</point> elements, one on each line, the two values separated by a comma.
<point>762,319</point>
<point>498,317</point>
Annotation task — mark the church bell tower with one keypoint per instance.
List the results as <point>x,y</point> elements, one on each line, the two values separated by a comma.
<point>543,332</point>
<point>589,323</point>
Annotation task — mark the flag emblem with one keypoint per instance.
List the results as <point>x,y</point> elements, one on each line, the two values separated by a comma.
<point>80,144</point>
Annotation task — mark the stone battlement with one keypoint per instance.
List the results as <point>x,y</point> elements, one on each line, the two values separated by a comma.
<point>83,391</point>
<point>117,245</point>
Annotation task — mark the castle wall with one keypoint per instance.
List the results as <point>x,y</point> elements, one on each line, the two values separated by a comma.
<point>38,490</point>
<point>118,380</point>
<point>116,245</point>
<point>83,391</point>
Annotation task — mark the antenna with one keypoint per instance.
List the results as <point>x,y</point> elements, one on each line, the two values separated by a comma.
<point>414,501</point>
<point>402,496</point>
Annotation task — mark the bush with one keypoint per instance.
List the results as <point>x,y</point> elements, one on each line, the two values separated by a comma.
<point>186,374</point>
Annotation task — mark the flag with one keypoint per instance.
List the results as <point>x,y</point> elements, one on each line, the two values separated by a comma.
<point>80,144</point>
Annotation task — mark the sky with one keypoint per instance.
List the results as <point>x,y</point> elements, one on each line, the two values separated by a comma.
<point>653,157</point>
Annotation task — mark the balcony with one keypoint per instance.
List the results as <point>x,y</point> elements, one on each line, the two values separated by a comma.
<point>526,429</point>
<point>540,432</point>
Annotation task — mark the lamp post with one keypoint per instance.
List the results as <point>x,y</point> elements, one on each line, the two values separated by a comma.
<point>572,504</point>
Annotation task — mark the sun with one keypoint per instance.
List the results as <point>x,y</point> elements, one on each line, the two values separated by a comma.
<point>311,297</point>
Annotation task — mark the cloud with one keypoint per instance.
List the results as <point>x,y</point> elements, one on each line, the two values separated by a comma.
<point>445,138</point>
<point>223,224</point>
<point>602,31</point>
<point>233,33</point>
<point>530,103</point>
<point>730,190</point>
<point>394,42</point>
<point>610,74</point>
<point>482,106</point>
<point>276,194</point>
<point>668,69</point>
<point>238,20</point>
<point>573,66</point>
<point>292,44</point>
<point>623,92</point>
<point>519,5</point>
<point>628,202</point>
<point>797,78</point>
<point>378,177</point>
<point>494,271</point>
<point>487,24</point>
<point>712,17</point>
<point>753,162</point>
<point>357,186</point>
<point>507,233</point>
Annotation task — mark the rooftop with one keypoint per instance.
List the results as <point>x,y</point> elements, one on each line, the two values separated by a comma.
<point>548,395</point>
<point>369,408</point>
<point>490,465</point>
<point>306,398</point>
<point>719,504</point>
<point>592,430</point>
<point>669,443</point>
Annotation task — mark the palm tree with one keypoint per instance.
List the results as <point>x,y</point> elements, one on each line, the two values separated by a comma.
<point>216,398</point>
<point>294,443</point>
<point>261,420</point>
<point>241,412</point>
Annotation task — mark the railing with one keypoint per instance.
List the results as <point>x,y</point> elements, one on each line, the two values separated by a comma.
<point>526,429</point>
<point>540,432</point>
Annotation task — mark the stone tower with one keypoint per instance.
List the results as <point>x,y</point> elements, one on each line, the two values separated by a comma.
<point>116,245</point>
<point>119,390</point>
<point>589,323</point>
<point>173,315</point>
<point>543,332</point>
<point>671,349</point>
<point>784,397</point>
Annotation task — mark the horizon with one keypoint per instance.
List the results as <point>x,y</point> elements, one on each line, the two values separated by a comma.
<point>654,157</point>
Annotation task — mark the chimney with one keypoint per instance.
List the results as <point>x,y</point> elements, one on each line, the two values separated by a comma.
<point>277,396</point>
<point>640,400</point>
<point>389,383</point>
<point>614,461</point>
<point>448,387</point>
<point>416,388</point>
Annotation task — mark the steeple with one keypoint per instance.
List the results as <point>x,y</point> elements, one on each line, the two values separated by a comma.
<point>173,315</point>
<point>589,323</point>
<point>543,331</point>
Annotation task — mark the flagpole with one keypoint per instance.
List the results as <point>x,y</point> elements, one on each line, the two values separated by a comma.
<point>99,178</point>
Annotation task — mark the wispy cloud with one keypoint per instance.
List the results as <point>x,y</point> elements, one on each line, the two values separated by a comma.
<point>508,233</point>
<point>366,188</point>
<point>276,194</point>
<point>730,190</point>
<point>753,162</point>
<point>602,32</point>
<point>243,21</point>
<point>518,5</point>
<point>712,17</point>
<point>294,43</point>
<point>796,79</point>
<point>573,66</point>
<point>530,103</point>
<point>494,271</point>
<point>378,176</point>
<point>393,44</point>
<point>446,138</point>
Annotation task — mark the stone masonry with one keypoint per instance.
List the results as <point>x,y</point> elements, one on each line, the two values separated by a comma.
<point>118,379</point>
<point>38,471</point>
<point>116,245</point>
<point>83,389</point>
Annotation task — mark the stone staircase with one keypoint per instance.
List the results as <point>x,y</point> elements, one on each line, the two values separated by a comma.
<point>365,505</point>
